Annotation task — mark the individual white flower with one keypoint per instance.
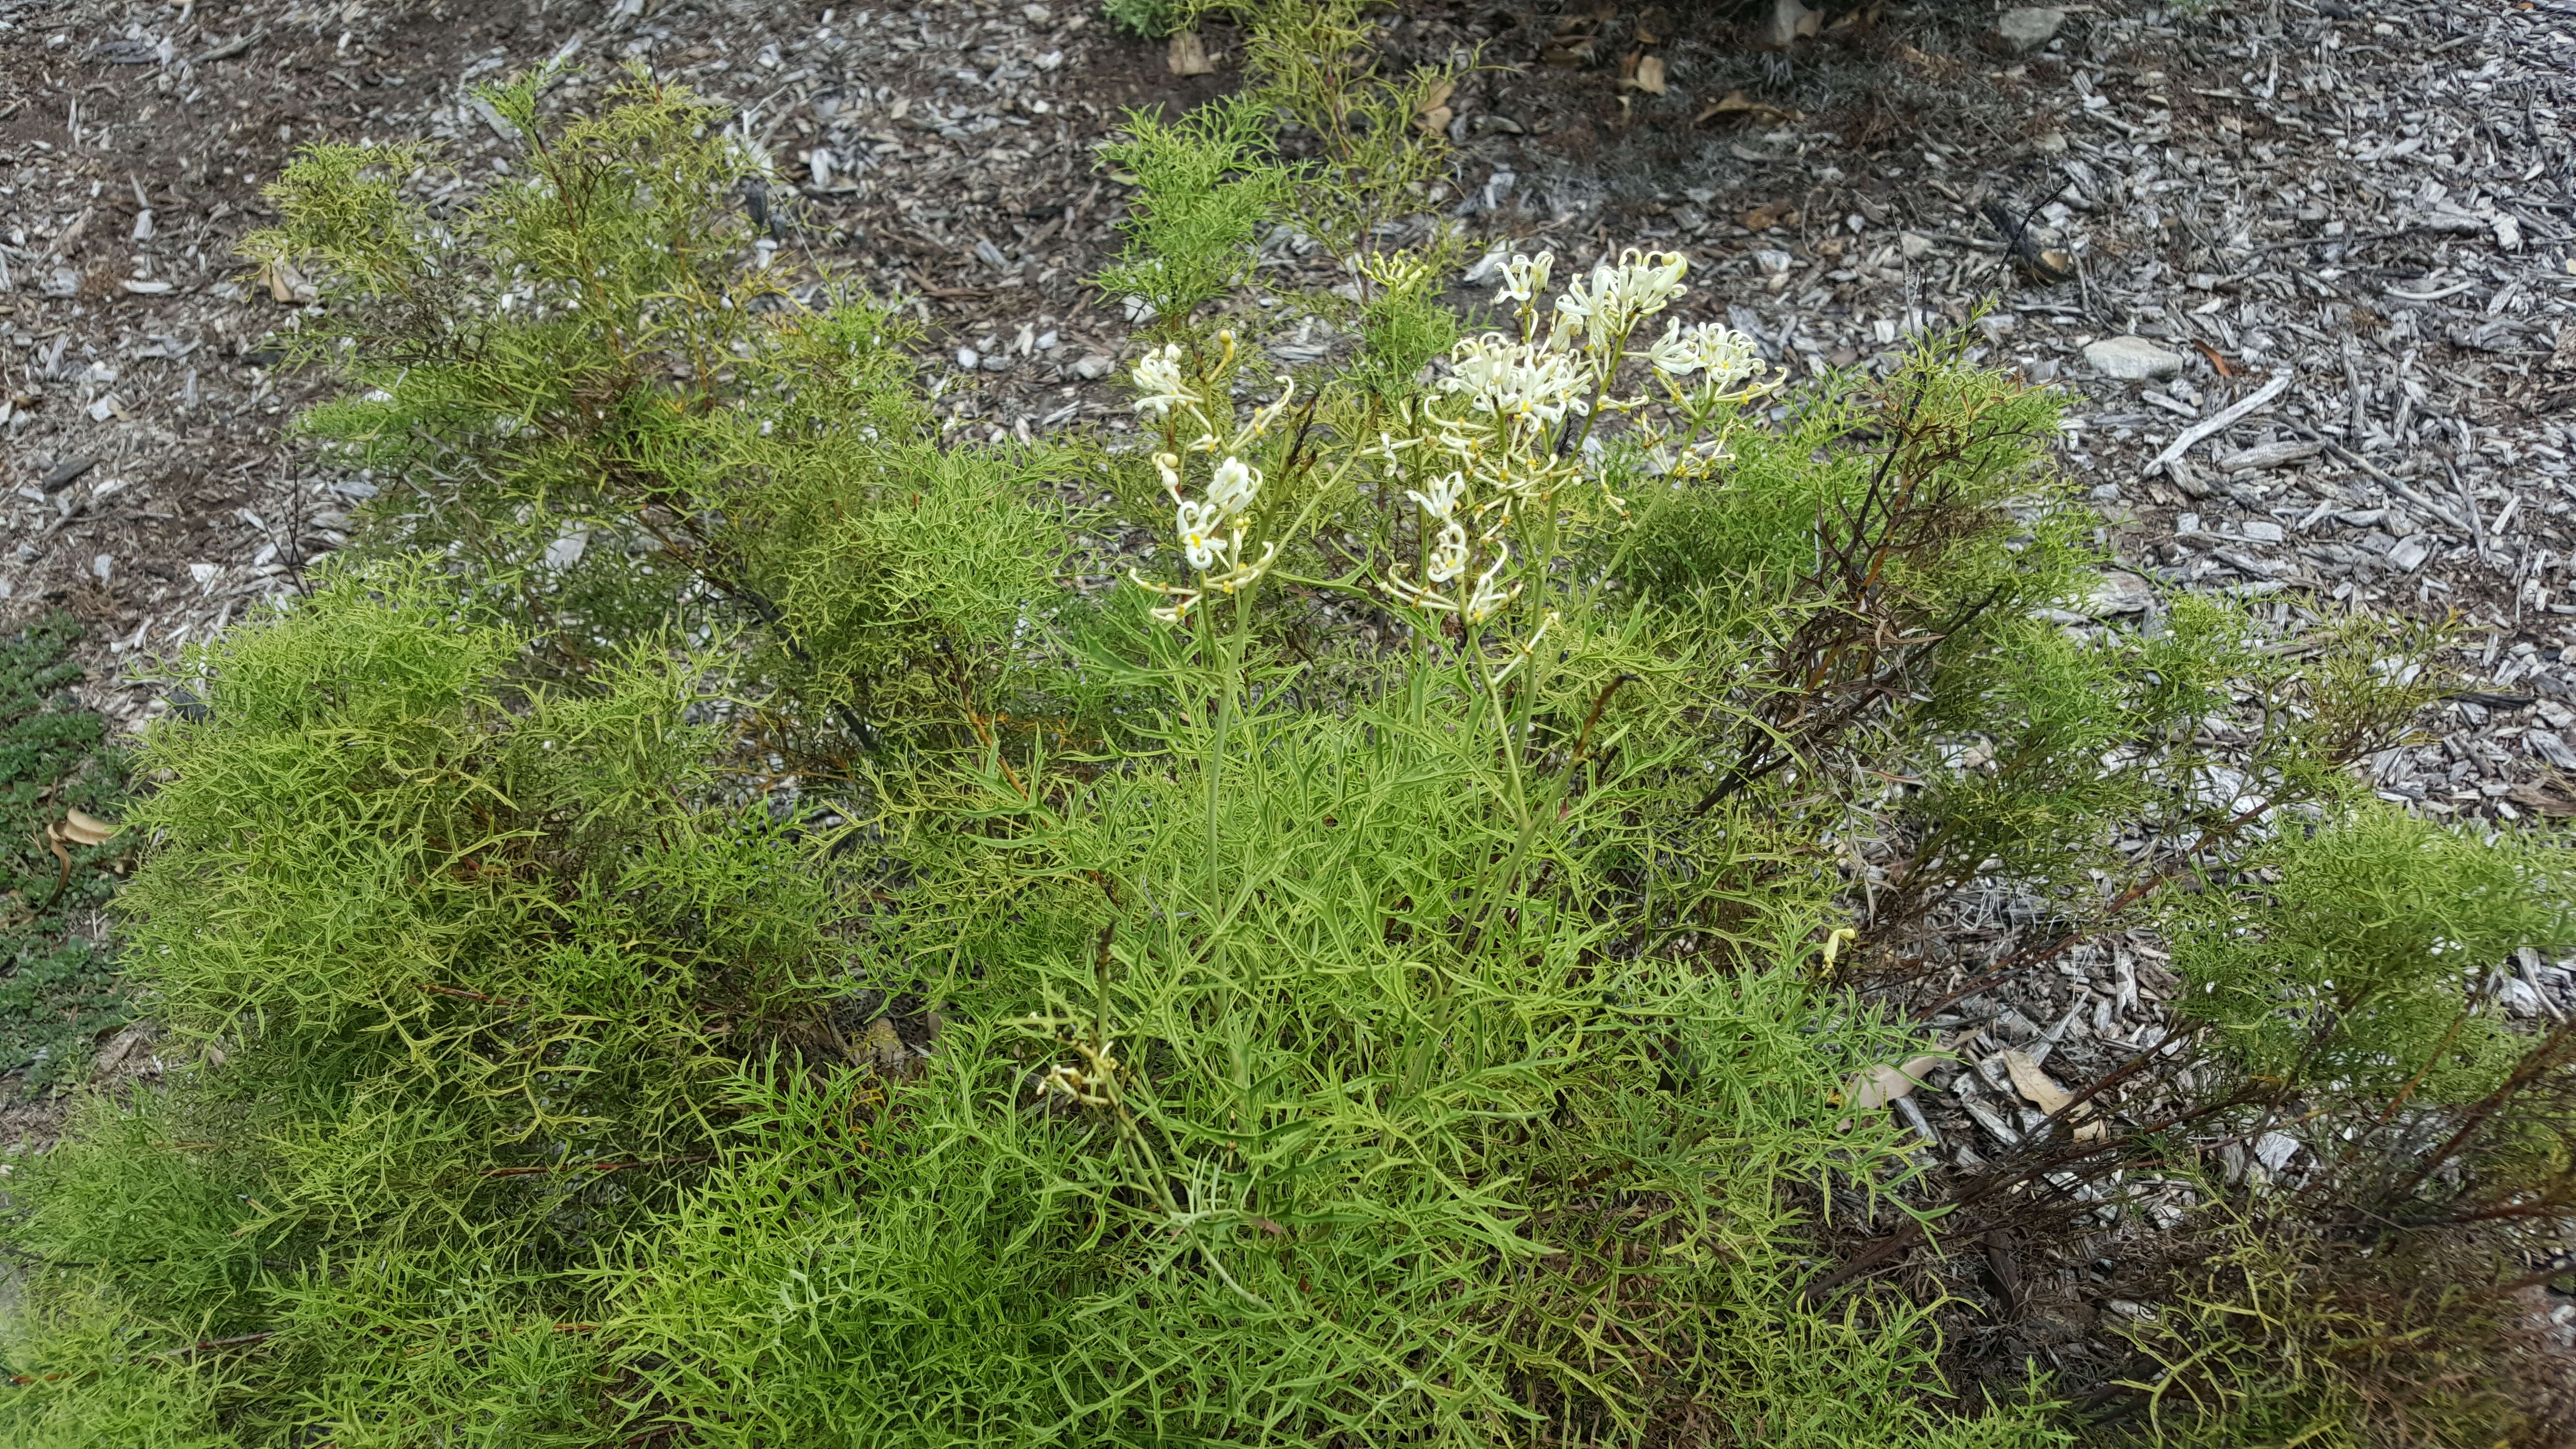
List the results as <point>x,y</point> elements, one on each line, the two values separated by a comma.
<point>1650,280</point>
<point>1416,596</point>
<point>1489,599</point>
<point>1169,465</point>
<point>1232,489</point>
<point>1201,527</point>
<point>1524,277</point>
<point>1388,446</point>
<point>1576,311</point>
<point>1448,555</point>
<point>1676,353</point>
<point>1182,599</point>
<point>1158,376</point>
<point>1442,500</point>
<point>1263,417</point>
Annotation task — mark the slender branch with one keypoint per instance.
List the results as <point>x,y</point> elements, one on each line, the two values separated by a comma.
<point>598,1166</point>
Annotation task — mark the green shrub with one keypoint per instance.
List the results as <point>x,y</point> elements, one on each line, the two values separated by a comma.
<point>571,389</point>
<point>2355,958</point>
<point>1252,1111</point>
<point>2346,976</point>
<point>1387,970</point>
<point>477,951</point>
<point>74,1381</point>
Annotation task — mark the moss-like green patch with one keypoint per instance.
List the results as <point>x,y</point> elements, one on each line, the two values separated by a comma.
<point>59,989</point>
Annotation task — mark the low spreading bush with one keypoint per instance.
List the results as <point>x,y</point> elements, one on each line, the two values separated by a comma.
<point>727,921</point>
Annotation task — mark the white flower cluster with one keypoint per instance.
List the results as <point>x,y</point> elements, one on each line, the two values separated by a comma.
<point>1158,378</point>
<point>1486,450</point>
<point>1210,528</point>
<point>1721,354</point>
<point>1518,380</point>
<point>1618,297</point>
<point>1449,555</point>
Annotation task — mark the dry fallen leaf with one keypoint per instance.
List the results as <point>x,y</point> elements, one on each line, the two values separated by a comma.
<point>1790,22</point>
<point>288,285</point>
<point>1650,75</point>
<point>2031,1082</point>
<point>82,828</point>
<point>1769,215</point>
<point>1930,67</point>
<point>1187,54</point>
<point>1436,98</point>
<point>1738,103</point>
<point>1435,120</point>
<point>2045,1094</point>
<point>1881,1085</point>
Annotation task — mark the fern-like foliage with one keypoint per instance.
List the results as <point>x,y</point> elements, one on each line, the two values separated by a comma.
<point>731,921</point>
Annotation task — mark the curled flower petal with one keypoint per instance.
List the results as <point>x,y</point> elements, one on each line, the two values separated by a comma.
<point>1448,554</point>
<point>1524,277</point>
<point>1158,376</point>
<point>1233,488</point>
<point>1442,500</point>
<point>1489,597</point>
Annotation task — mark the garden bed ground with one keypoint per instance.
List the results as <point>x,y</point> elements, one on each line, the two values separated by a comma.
<point>2370,205</point>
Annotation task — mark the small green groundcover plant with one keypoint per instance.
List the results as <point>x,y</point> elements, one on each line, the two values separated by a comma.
<point>59,992</point>
<point>727,921</point>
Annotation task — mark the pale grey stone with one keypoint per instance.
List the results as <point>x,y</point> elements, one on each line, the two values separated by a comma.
<point>2131,359</point>
<point>2121,593</point>
<point>2029,27</point>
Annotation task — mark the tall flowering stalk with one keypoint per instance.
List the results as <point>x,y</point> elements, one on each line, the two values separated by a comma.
<point>1514,421</point>
<point>1210,517</point>
<point>1481,454</point>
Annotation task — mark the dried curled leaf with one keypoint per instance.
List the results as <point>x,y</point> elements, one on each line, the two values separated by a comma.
<point>1883,1084</point>
<point>287,285</point>
<point>82,828</point>
<point>1737,103</point>
<point>1188,55</point>
<point>2046,1095</point>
